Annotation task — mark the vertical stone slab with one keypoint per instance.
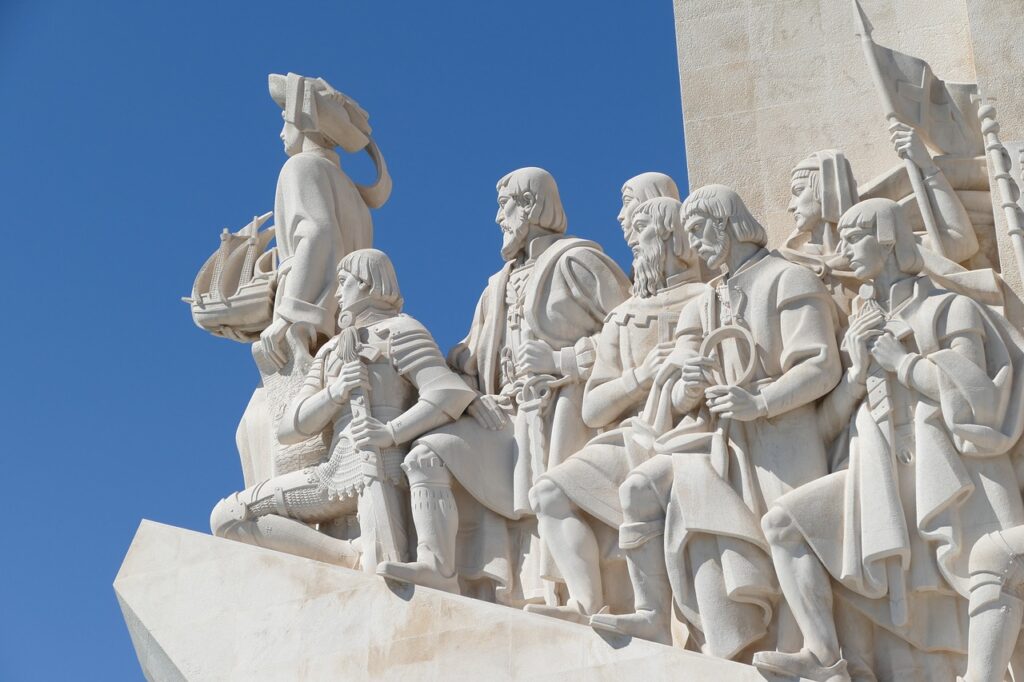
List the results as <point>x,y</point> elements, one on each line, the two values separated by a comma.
<point>766,82</point>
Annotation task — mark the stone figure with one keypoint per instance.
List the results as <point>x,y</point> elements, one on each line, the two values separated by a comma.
<point>320,215</point>
<point>529,352</point>
<point>691,514</point>
<point>390,361</point>
<point>639,189</point>
<point>928,407</point>
<point>582,492</point>
<point>823,188</point>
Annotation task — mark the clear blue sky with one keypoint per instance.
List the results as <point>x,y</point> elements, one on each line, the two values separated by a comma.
<point>134,131</point>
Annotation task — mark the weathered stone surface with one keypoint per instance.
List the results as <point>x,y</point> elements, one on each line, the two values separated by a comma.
<point>204,608</point>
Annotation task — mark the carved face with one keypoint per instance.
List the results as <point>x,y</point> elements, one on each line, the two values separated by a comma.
<point>291,137</point>
<point>352,295</point>
<point>804,204</point>
<point>864,253</point>
<point>710,238</point>
<point>649,257</point>
<point>629,202</point>
<point>513,218</point>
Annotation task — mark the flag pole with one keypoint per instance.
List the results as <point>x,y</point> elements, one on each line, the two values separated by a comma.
<point>864,28</point>
<point>1001,165</point>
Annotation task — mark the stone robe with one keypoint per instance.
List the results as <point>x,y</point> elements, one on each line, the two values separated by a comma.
<point>719,566</point>
<point>613,397</point>
<point>572,287</point>
<point>928,471</point>
<point>319,218</point>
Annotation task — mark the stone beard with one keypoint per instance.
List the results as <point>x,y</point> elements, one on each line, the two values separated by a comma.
<point>649,268</point>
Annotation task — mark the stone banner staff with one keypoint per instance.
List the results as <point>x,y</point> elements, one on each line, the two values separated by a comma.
<point>913,96</point>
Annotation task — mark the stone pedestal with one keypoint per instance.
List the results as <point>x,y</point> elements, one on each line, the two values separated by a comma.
<point>203,608</point>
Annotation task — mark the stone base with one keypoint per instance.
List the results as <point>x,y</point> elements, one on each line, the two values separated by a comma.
<point>203,608</point>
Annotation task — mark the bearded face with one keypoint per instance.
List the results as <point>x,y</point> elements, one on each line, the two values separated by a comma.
<point>512,219</point>
<point>650,255</point>
<point>710,239</point>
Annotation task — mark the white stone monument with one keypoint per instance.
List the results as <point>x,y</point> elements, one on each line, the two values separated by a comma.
<point>789,449</point>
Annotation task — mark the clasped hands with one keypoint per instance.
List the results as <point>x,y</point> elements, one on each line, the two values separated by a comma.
<point>866,339</point>
<point>367,432</point>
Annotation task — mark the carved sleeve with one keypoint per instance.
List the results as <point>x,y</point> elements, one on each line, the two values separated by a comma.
<point>610,390</point>
<point>961,330</point>
<point>595,285</point>
<point>309,216</point>
<point>959,241</point>
<point>417,358</point>
<point>809,360</point>
<point>313,406</point>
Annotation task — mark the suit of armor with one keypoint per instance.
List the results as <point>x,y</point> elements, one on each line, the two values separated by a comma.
<point>404,368</point>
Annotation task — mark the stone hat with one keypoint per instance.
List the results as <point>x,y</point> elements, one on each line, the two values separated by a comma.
<point>313,106</point>
<point>838,188</point>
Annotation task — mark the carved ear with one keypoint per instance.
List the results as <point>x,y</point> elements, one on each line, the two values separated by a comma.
<point>527,200</point>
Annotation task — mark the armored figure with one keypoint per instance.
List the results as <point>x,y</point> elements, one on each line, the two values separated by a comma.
<point>578,499</point>
<point>529,352</point>
<point>376,386</point>
<point>699,502</point>
<point>928,408</point>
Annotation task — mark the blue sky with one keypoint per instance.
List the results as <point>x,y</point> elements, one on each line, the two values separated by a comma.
<point>134,131</point>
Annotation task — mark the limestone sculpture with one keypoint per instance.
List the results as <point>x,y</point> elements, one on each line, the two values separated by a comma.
<point>697,506</point>
<point>810,456</point>
<point>529,352</point>
<point>930,405</point>
<point>823,188</point>
<point>636,338</point>
<point>376,385</point>
<point>320,215</point>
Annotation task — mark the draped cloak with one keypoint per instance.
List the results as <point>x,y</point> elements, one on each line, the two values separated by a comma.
<point>718,561</point>
<point>573,287</point>
<point>923,500</point>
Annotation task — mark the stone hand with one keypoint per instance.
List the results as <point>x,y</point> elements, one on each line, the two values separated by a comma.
<point>733,402</point>
<point>696,375</point>
<point>369,432</point>
<point>908,145</point>
<point>353,375</point>
<point>670,366</point>
<point>272,340</point>
<point>488,412</point>
<point>888,352</point>
<point>646,372</point>
<point>537,357</point>
<point>862,329</point>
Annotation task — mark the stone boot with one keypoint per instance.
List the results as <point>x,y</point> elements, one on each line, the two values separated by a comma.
<point>573,611</point>
<point>437,522</point>
<point>802,664</point>
<point>652,592</point>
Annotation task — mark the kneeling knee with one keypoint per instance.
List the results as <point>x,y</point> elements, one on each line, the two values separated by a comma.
<point>777,526</point>
<point>226,515</point>
<point>423,466</point>
<point>638,498</point>
<point>546,497</point>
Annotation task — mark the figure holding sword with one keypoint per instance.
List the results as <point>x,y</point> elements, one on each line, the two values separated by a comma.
<point>377,385</point>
